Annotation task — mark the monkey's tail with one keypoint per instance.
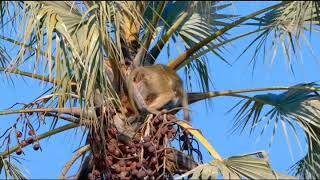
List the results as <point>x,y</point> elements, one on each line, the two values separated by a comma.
<point>186,110</point>
<point>186,114</point>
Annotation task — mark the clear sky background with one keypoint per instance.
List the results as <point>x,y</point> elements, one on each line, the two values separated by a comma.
<point>213,121</point>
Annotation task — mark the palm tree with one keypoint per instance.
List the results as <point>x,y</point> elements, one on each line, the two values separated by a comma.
<point>82,51</point>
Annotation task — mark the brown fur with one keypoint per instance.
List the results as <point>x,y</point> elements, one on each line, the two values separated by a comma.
<point>153,88</point>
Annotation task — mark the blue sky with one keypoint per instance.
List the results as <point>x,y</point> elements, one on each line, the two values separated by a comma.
<point>213,121</point>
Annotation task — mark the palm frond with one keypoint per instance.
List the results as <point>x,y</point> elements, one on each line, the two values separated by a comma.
<point>173,21</point>
<point>193,31</point>
<point>286,29</point>
<point>286,105</point>
<point>197,25</point>
<point>4,58</point>
<point>203,23</point>
<point>10,11</point>
<point>11,170</point>
<point>152,30</point>
<point>308,166</point>
<point>80,42</point>
<point>250,166</point>
<point>294,108</point>
<point>254,166</point>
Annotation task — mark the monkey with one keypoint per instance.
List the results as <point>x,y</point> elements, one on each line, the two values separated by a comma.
<point>152,88</point>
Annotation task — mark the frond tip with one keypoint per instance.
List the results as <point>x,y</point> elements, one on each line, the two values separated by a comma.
<point>286,28</point>
<point>11,170</point>
<point>202,139</point>
<point>250,166</point>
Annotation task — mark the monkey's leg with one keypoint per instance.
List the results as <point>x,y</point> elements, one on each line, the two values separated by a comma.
<point>159,102</point>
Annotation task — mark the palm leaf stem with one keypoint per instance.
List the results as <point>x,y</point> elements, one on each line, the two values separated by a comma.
<point>176,63</point>
<point>42,136</point>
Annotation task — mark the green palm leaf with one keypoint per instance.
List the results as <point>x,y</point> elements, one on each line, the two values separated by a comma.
<point>308,166</point>
<point>286,28</point>
<point>79,40</point>
<point>11,170</point>
<point>294,108</point>
<point>249,166</point>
